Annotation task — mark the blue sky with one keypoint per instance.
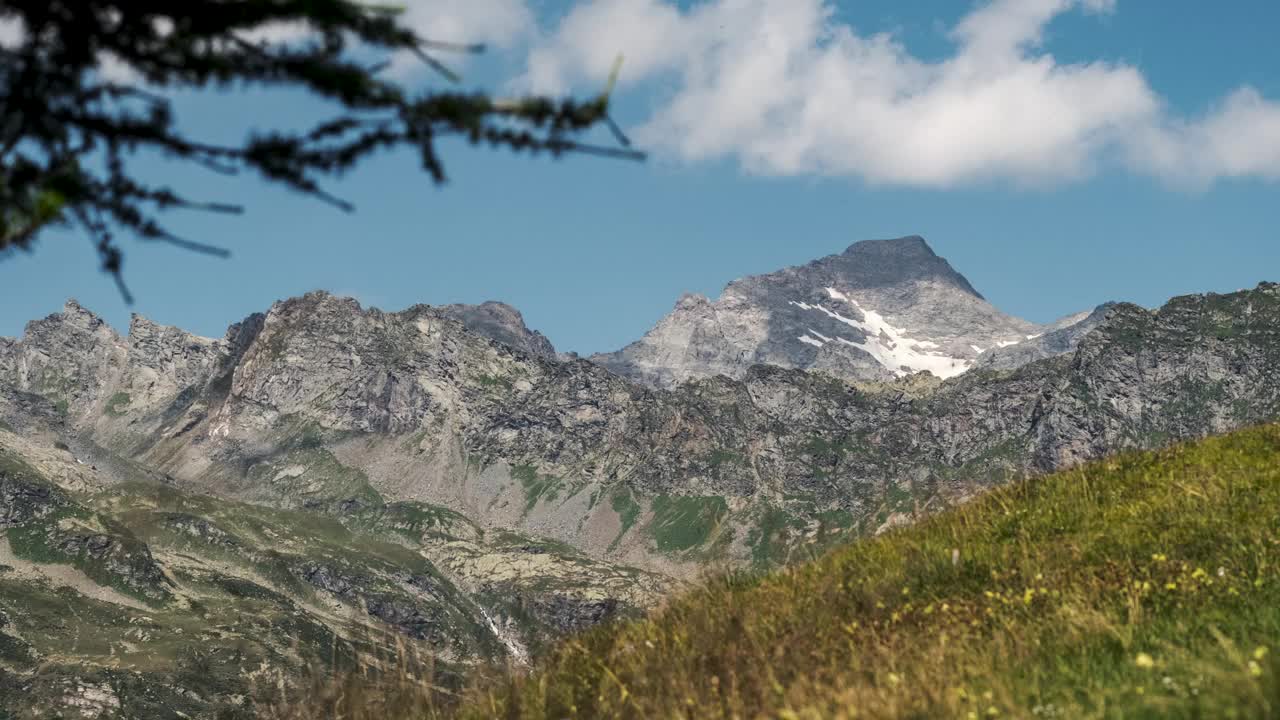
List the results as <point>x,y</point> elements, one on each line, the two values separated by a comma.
<point>1164,182</point>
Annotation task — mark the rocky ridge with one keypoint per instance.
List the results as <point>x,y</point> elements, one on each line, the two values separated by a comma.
<point>879,310</point>
<point>325,406</point>
<point>502,324</point>
<point>404,470</point>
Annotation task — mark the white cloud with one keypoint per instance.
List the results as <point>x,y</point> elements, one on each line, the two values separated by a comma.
<point>13,34</point>
<point>495,23</point>
<point>785,88</point>
<point>653,34</point>
<point>1238,139</point>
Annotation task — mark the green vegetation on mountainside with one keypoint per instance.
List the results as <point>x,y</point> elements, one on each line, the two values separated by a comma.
<point>1146,585</point>
<point>148,599</point>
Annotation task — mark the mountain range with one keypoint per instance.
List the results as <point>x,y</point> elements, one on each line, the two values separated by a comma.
<point>882,309</point>
<point>325,470</point>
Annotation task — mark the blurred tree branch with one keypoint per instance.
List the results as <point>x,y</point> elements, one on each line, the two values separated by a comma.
<point>89,80</point>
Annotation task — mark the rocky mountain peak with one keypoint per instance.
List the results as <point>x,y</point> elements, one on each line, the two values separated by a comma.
<point>879,310</point>
<point>909,247</point>
<point>693,300</point>
<point>501,323</point>
<point>76,315</point>
<point>885,262</point>
<point>321,300</point>
<point>497,321</point>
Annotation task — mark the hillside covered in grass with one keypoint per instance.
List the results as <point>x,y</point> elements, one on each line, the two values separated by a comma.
<point>1146,585</point>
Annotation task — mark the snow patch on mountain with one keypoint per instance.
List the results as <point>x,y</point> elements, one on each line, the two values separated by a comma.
<point>891,346</point>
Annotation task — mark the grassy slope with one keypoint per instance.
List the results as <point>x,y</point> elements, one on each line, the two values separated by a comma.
<point>1147,585</point>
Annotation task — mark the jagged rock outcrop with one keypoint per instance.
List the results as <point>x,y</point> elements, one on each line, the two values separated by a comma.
<point>1056,338</point>
<point>501,323</point>
<point>23,499</point>
<point>879,310</point>
<point>66,357</point>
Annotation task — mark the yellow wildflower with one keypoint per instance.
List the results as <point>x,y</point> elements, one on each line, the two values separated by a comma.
<point>1144,661</point>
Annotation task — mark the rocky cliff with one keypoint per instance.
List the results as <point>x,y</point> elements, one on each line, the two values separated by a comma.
<point>503,324</point>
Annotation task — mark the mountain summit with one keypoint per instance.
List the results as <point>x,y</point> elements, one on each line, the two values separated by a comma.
<point>879,310</point>
<point>877,263</point>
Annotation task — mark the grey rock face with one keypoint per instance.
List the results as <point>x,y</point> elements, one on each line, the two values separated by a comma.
<point>23,499</point>
<point>501,323</point>
<point>163,360</point>
<point>413,405</point>
<point>881,309</point>
<point>62,357</point>
<point>321,404</point>
<point>1056,338</point>
<point>8,350</point>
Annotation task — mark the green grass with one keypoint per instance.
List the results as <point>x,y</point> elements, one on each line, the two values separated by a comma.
<point>720,457</point>
<point>1144,586</point>
<point>822,447</point>
<point>495,382</point>
<point>323,477</point>
<point>118,405</point>
<point>628,508</point>
<point>537,487</point>
<point>773,537</point>
<point>12,464</point>
<point>415,521</point>
<point>682,523</point>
